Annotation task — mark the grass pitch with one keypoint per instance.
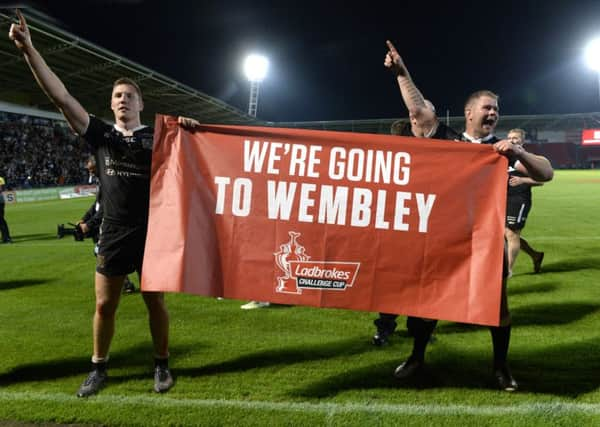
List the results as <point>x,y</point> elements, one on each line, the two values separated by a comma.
<point>301,365</point>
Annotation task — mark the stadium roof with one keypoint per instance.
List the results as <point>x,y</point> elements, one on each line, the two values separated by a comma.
<point>89,70</point>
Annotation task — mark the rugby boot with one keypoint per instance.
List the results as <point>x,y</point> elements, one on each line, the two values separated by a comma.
<point>505,379</point>
<point>95,381</point>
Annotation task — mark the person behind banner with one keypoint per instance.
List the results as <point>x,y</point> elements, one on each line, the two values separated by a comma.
<point>90,223</point>
<point>4,231</point>
<point>481,118</point>
<point>518,205</point>
<point>125,150</point>
<point>423,123</point>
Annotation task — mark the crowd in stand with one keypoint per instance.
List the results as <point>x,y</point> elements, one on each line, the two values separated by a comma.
<point>40,152</point>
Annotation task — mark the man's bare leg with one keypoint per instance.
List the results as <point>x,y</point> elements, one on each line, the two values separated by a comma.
<point>108,294</point>
<point>514,245</point>
<point>158,317</point>
<point>536,257</point>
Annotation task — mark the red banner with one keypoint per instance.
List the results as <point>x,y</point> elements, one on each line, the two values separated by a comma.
<point>327,219</point>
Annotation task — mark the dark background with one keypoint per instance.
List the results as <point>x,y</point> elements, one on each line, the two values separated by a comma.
<point>327,57</point>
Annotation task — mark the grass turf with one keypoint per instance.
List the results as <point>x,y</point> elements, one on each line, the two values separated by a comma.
<point>301,365</point>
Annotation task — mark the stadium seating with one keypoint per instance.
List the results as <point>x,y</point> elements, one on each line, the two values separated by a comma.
<point>39,152</point>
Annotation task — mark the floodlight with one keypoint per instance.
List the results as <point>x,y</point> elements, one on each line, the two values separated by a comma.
<point>592,54</point>
<point>255,67</point>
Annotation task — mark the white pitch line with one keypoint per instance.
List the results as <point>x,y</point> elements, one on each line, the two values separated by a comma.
<point>554,408</point>
<point>561,238</point>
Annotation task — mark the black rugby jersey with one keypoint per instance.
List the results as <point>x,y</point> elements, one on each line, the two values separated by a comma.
<point>123,164</point>
<point>490,139</point>
<point>522,190</point>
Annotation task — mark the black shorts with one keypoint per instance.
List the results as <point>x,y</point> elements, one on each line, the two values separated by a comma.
<point>517,209</point>
<point>120,249</point>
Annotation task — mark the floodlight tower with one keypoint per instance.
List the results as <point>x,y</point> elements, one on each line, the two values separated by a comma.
<point>255,68</point>
<point>592,56</point>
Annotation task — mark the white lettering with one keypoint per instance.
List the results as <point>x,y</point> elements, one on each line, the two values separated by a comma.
<point>401,210</point>
<point>313,160</point>
<point>321,273</point>
<point>356,161</point>
<point>242,194</point>
<point>332,207</point>
<point>254,156</point>
<point>361,207</point>
<point>306,202</point>
<point>424,207</point>
<point>280,199</point>
<point>369,166</point>
<point>298,158</point>
<point>336,168</point>
<point>405,177</point>
<point>380,221</point>
<point>329,204</point>
<point>222,182</point>
<point>382,166</point>
<point>274,157</point>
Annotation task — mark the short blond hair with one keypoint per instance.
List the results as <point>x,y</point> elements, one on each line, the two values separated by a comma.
<point>130,82</point>
<point>479,94</point>
<point>519,131</point>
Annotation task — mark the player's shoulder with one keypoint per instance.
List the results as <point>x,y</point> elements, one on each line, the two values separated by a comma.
<point>96,126</point>
<point>97,121</point>
<point>144,130</point>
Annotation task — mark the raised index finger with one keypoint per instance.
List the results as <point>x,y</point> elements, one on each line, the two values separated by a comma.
<point>391,46</point>
<point>22,22</point>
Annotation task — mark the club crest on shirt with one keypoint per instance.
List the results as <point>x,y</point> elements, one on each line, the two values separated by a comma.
<point>147,142</point>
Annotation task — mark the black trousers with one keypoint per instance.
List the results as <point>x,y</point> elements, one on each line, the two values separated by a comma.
<point>3,225</point>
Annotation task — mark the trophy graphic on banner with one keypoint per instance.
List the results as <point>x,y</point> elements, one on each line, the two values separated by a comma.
<point>289,252</point>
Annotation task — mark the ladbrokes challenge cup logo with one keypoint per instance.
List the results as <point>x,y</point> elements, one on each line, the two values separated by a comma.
<point>301,273</point>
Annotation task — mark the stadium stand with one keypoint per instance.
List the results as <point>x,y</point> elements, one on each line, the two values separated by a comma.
<point>562,154</point>
<point>39,152</point>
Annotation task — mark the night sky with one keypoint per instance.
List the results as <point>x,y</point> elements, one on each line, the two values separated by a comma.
<point>327,57</point>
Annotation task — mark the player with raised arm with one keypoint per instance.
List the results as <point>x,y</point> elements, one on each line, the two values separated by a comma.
<point>481,118</point>
<point>124,151</point>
